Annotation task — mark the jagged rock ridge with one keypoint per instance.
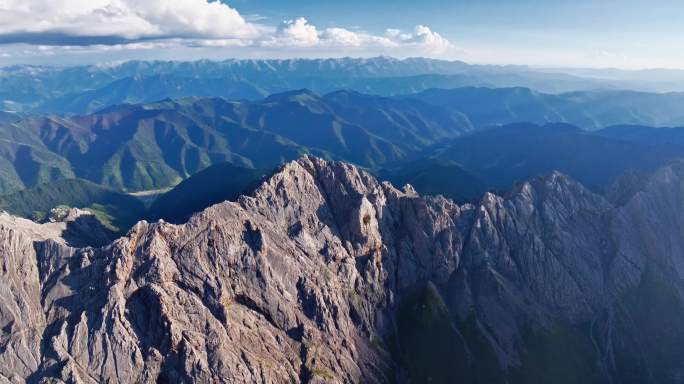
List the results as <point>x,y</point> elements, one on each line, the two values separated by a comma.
<point>324,274</point>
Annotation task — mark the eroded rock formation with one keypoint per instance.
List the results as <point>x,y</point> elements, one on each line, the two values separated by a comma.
<point>326,275</point>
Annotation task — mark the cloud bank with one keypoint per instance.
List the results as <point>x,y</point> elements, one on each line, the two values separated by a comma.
<point>189,23</point>
<point>87,22</point>
<point>299,33</point>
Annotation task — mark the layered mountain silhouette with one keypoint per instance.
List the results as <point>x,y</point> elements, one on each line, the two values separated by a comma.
<point>590,110</point>
<point>151,146</point>
<point>644,135</point>
<point>85,89</point>
<point>426,143</point>
<point>516,152</point>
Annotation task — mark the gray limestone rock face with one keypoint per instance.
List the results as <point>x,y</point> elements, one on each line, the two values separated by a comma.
<point>324,275</point>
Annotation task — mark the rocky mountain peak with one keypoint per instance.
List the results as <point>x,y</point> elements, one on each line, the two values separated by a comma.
<point>324,274</point>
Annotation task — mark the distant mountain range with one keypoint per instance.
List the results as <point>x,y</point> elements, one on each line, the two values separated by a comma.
<point>644,135</point>
<point>151,146</point>
<point>495,159</point>
<point>462,169</point>
<point>457,142</point>
<point>157,145</point>
<point>86,89</point>
<point>517,152</point>
<point>590,110</point>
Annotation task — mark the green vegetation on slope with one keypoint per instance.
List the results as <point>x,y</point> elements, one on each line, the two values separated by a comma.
<point>119,210</point>
<point>438,177</point>
<point>116,210</point>
<point>434,350</point>
<point>153,146</point>
<point>485,364</point>
<point>429,345</point>
<point>655,309</point>
<point>561,354</point>
<point>213,185</point>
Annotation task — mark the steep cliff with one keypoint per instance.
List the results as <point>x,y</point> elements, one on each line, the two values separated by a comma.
<point>324,274</point>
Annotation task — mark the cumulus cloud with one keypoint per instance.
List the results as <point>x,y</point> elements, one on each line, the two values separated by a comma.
<point>191,23</point>
<point>298,33</point>
<point>421,37</point>
<point>87,22</point>
<point>345,38</point>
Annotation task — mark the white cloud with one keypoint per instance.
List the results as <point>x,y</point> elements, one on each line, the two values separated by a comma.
<point>422,38</point>
<point>346,38</point>
<point>300,33</point>
<point>297,33</point>
<point>343,37</point>
<point>149,24</point>
<point>87,21</point>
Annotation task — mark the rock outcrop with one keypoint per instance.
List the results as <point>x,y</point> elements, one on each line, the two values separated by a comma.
<point>325,275</point>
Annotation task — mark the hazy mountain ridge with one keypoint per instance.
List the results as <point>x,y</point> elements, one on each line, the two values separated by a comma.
<point>590,110</point>
<point>329,265</point>
<point>646,135</point>
<point>84,89</point>
<point>516,152</point>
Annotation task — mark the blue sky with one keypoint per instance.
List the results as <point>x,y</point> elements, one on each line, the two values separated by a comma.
<point>585,32</point>
<point>581,33</point>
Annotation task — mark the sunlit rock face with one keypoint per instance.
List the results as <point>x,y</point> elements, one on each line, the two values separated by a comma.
<point>324,274</point>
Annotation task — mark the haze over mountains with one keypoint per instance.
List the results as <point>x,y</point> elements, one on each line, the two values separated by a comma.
<point>589,110</point>
<point>86,89</point>
<point>277,221</point>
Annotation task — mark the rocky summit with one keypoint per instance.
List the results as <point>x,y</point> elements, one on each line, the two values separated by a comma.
<point>325,275</point>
